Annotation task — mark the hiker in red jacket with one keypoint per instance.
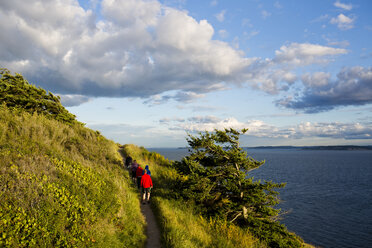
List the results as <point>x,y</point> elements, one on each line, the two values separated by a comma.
<point>139,173</point>
<point>146,184</point>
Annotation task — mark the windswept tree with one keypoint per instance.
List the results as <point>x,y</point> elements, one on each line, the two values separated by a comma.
<point>216,178</point>
<point>16,92</point>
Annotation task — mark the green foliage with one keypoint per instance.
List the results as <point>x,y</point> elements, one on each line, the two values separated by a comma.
<point>59,223</point>
<point>63,186</point>
<point>181,224</point>
<point>166,178</point>
<point>274,234</point>
<point>216,172</point>
<point>16,92</point>
<point>184,227</point>
<point>98,192</point>
<point>217,178</point>
<point>144,156</point>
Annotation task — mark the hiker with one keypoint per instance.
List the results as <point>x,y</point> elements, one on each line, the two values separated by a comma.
<point>128,161</point>
<point>147,170</point>
<point>139,173</point>
<point>134,169</point>
<point>146,184</point>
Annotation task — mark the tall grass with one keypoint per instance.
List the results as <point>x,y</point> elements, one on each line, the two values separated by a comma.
<point>63,186</point>
<point>181,225</point>
<point>185,228</point>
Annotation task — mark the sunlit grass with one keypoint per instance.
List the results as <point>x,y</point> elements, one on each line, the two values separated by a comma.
<point>184,228</point>
<point>180,225</point>
<point>63,186</point>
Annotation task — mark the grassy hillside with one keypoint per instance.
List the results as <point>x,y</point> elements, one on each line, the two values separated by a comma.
<point>182,223</point>
<point>64,185</point>
<point>61,184</point>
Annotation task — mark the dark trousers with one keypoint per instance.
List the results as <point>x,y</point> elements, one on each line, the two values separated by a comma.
<point>139,182</point>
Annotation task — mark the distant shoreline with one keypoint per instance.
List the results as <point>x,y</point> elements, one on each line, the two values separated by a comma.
<point>334,148</point>
<point>331,148</point>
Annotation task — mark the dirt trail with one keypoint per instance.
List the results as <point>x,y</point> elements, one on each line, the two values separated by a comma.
<point>152,229</point>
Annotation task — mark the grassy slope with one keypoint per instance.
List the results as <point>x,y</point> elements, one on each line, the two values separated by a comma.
<point>63,185</point>
<point>181,225</point>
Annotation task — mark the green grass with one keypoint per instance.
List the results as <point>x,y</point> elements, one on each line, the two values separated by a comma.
<point>181,225</point>
<point>63,185</point>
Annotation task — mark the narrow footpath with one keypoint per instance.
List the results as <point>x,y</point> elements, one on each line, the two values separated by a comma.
<point>152,229</point>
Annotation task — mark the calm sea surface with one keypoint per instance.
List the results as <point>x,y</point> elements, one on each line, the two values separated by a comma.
<point>328,193</point>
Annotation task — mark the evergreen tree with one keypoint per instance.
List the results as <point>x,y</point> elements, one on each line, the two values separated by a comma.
<point>216,178</point>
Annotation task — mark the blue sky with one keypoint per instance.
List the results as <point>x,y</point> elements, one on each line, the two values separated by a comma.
<point>149,72</point>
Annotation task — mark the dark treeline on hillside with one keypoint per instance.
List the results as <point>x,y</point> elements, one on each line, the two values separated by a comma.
<point>16,92</point>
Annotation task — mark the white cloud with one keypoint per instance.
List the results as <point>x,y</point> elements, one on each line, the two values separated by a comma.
<point>223,33</point>
<point>167,120</point>
<point>73,100</point>
<point>278,5</point>
<point>343,22</point>
<point>251,34</point>
<point>131,12</point>
<point>136,49</point>
<point>353,86</point>
<point>258,128</point>
<point>343,43</point>
<point>214,3</point>
<point>265,14</point>
<point>73,52</point>
<point>204,119</point>
<point>318,79</point>
<point>184,97</point>
<point>273,80</point>
<point>247,23</point>
<point>306,53</point>
<point>187,96</point>
<point>172,131</point>
<point>200,126</point>
<point>334,130</point>
<point>320,18</point>
<point>343,6</point>
<point>221,16</point>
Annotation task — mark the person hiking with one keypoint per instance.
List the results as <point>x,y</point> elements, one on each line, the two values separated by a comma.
<point>134,169</point>
<point>139,173</point>
<point>147,170</point>
<point>128,161</point>
<point>146,184</point>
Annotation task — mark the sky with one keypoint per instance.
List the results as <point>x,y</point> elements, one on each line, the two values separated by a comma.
<point>148,72</point>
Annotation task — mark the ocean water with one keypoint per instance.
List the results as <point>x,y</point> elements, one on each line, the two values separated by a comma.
<point>328,196</point>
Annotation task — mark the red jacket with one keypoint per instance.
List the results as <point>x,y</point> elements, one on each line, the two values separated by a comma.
<point>139,172</point>
<point>146,181</point>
